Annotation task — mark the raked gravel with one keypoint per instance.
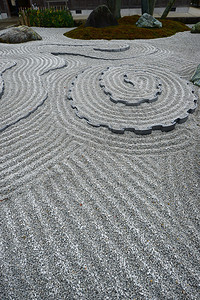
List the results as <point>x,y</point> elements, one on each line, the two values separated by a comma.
<point>86,213</point>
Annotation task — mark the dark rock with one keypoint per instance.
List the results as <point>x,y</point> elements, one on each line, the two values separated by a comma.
<point>196,28</point>
<point>101,17</point>
<point>196,77</point>
<point>19,34</point>
<point>147,21</point>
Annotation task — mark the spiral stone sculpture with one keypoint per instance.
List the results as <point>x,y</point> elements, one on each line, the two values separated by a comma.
<point>150,98</point>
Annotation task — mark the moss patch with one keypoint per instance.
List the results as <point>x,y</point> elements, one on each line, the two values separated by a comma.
<point>127,30</point>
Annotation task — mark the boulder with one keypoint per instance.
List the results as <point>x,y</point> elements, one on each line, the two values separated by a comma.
<point>196,77</point>
<point>19,34</point>
<point>147,21</point>
<point>196,28</point>
<point>101,17</point>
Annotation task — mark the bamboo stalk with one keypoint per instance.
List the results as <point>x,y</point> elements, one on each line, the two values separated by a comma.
<point>168,8</point>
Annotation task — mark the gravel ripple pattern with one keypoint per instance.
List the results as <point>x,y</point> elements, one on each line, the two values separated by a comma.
<point>86,213</point>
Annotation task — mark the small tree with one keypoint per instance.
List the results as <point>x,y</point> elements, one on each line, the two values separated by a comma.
<point>145,6</point>
<point>152,4</point>
<point>148,6</point>
<point>115,6</point>
<point>168,8</point>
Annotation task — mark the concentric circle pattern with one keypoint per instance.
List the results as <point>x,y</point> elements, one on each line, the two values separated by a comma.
<point>131,87</point>
<point>143,98</point>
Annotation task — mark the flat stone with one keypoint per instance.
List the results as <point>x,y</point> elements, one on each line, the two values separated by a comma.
<point>196,28</point>
<point>196,77</point>
<point>101,17</point>
<point>19,34</point>
<point>109,48</point>
<point>147,21</point>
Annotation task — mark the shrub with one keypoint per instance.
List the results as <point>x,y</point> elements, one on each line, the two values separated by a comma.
<point>46,17</point>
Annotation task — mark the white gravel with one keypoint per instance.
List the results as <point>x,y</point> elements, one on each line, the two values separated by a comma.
<point>86,213</point>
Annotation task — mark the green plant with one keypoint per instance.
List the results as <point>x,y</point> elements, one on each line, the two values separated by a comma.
<point>47,17</point>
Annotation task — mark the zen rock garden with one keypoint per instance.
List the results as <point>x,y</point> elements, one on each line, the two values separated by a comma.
<point>99,151</point>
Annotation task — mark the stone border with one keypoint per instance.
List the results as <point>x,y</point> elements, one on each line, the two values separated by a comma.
<point>124,47</point>
<point>145,131</point>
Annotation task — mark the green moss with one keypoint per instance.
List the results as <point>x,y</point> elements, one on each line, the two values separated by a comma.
<point>127,30</point>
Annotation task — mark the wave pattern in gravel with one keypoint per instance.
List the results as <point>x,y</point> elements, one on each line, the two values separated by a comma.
<point>86,213</point>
